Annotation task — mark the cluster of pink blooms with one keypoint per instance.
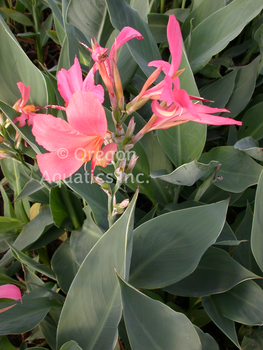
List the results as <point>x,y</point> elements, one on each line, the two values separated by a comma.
<point>86,125</point>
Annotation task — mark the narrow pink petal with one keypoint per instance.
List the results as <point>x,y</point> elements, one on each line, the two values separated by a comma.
<point>106,154</point>
<point>69,81</point>
<point>54,133</point>
<point>215,120</point>
<point>126,34</point>
<point>86,114</point>
<point>9,291</point>
<point>167,93</point>
<point>159,63</point>
<point>55,168</point>
<point>88,85</point>
<point>206,109</point>
<point>25,92</point>
<point>182,99</point>
<point>175,44</point>
<point>21,120</point>
<point>176,82</point>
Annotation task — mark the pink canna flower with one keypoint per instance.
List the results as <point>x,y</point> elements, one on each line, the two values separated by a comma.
<point>9,291</point>
<point>70,81</point>
<point>106,64</point>
<point>165,117</point>
<point>23,108</point>
<point>75,142</point>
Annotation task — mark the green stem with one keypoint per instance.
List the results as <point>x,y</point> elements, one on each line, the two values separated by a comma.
<point>110,203</point>
<point>162,6</point>
<point>69,206</point>
<point>183,4</point>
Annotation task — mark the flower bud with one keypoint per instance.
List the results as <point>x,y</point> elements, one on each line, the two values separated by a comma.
<point>130,128</point>
<point>119,208</point>
<point>132,162</point>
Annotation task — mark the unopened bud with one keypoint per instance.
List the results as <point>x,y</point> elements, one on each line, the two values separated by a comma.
<point>118,86</point>
<point>130,128</point>
<point>132,162</point>
<point>106,188</point>
<point>98,180</point>
<point>119,208</point>
<point>119,130</point>
<point>128,147</point>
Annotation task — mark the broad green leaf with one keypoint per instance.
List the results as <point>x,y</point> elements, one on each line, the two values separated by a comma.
<point>17,16</point>
<point>158,23</point>
<point>238,170</point>
<point>216,272</point>
<point>243,303</point>
<point>183,143</point>
<point>14,70</point>
<point>250,147</point>
<point>83,240</point>
<point>64,265</point>
<point>220,91</point>
<point>205,9</point>
<point>10,224</point>
<point>157,160</point>
<point>188,174</point>
<point>180,14</point>
<point>144,51</point>
<point>23,317</point>
<point>29,234</point>
<point>142,7</point>
<point>168,248</point>
<point>216,31</point>
<point>58,207</point>
<point>243,253</point>
<point>70,345</point>
<point>92,310</point>
<point>92,193</point>
<point>5,344</point>
<point>152,325</point>
<point>208,342</point>
<point>252,123</point>
<point>88,16</point>
<point>49,326</point>
<point>257,226</point>
<point>243,90</point>
<point>34,190</point>
<point>224,324</point>
<point>23,258</point>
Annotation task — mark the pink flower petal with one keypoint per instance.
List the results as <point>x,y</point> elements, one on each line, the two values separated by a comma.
<point>215,120</point>
<point>21,120</point>
<point>54,133</point>
<point>25,93</point>
<point>86,114</point>
<point>175,44</point>
<point>126,34</point>
<point>55,166</point>
<point>105,156</point>
<point>167,93</point>
<point>69,81</point>
<point>159,63</point>
<point>88,85</point>
<point>9,291</point>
